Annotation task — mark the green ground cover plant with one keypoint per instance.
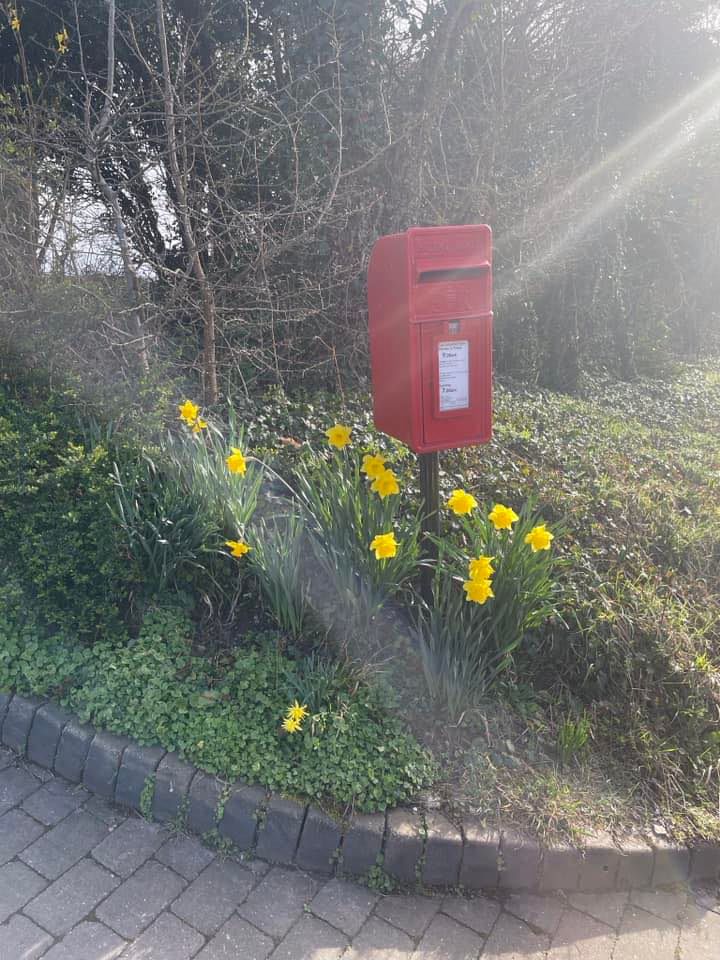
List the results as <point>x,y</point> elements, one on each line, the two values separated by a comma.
<point>226,714</point>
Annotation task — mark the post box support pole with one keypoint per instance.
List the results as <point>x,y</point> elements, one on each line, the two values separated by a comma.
<point>430,493</point>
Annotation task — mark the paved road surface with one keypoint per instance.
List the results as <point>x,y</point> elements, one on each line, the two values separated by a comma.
<point>82,880</point>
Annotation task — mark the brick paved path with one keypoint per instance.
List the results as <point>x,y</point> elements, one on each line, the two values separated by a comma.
<point>82,880</point>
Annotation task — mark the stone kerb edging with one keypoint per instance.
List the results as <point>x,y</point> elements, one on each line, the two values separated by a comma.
<point>412,846</point>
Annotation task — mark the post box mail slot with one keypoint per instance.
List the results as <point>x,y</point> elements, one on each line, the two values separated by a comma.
<point>430,321</point>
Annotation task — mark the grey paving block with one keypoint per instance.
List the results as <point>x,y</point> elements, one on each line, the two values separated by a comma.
<point>204,797</point>
<point>362,843</point>
<point>512,940</point>
<point>137,764</point>
<point>72,750</point>
<point>443,851</point>
<point>136,903</point>
<point>403,845</point>
<point>278,900</point>
<point>445,939</point>
<point>17,831</point>
<point>700,935</point>
<point>480,859</point>
<point>64,844</point>
<point>172,783</point>
<point>5,699</point>
<point>237,939</point>
<point>185,855</point>
<point>478,913</point>
<point>103,762</point>
<point>214,895</point>
<point>672,863</point>
<point>411,914</point>
<point>22,939</point>
<point>311,939</point>
<point>88,941</point>
<point>344,905</point>
<point>18,884</point>
<point>581,938</point>
<point>560,868</point>
<point>167,939</point>
<point>106,811</point>
<point>520,861</point>
<point>279,834</point>
<point>599,865</point>
<point>18,720</point>
<point>44,737</point>
<point>635,866</point>
<point>239,821</point>
<point>641,937</point>
<point>705,861</point>
<point>379,940</point>
<point>667,904</point>
<point>71,898</point>
<point>54,801</point>
<point>129,846</point>
<point>608,908</point>
<point>319,842</point>
<point>16,784</point>
<point>7,757</point>
<point>541,913</point>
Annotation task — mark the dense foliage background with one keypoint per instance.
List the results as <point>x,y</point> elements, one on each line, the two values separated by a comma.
<point>201,183</point>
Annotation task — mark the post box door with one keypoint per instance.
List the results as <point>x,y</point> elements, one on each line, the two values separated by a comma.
<point>456,382</point>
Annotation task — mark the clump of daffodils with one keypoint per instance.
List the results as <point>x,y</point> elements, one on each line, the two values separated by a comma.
<point>479,585</point>
<point>294,717</point>
<point>385,546</point>
<point>478,588</point>
<point>190,415</point>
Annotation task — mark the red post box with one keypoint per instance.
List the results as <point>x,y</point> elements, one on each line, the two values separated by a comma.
<point>430,320</point>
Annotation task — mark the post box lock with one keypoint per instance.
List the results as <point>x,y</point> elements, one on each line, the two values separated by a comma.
<point>430,322</point>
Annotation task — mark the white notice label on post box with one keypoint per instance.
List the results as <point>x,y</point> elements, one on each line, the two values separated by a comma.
<point>454,374</point>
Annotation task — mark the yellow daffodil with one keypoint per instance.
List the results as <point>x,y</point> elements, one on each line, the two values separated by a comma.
<point>237,547</point>
<point>373,464</point>
<point>14,21</point>
<point>502,517</point>
<point>199,425</point>
<point>478,591</point>
<point>62,39</point>
<point>236,462</point>
<point>338,436</point>
<point>481,568</point>
<point>462,502</point>
<point>386,484</point>
<point>189,412</point>
<point>384,546</point>
<point>539,538</point>
<point>291,725</point>
<point>297,712</point>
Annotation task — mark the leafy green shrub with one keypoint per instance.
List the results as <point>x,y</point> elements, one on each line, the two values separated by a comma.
<point>55,527</point>
<point>29,663</point>
<point>168,533</point>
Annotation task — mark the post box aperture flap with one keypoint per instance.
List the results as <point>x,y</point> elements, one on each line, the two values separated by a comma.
<point>430,320</point>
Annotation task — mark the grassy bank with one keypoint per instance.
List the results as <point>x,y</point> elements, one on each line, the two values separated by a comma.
<point>604,716</point>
